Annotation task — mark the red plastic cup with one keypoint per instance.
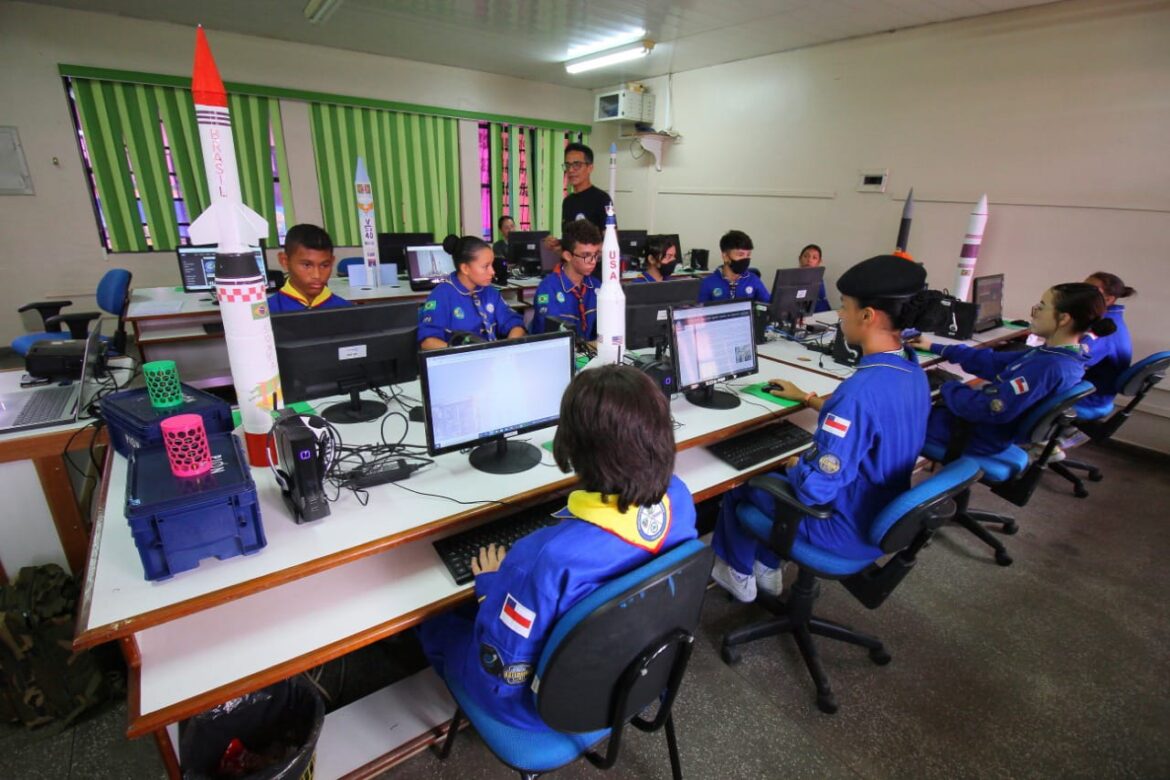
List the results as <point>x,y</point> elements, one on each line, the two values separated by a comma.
<point>186,442</point>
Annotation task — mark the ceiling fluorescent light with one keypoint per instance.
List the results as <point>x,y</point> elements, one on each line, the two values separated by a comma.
<point>319,11</point>
<point>605,44</point>
<point>605,59</point>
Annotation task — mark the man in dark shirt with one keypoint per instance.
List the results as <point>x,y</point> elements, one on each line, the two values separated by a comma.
<point>587,202</point>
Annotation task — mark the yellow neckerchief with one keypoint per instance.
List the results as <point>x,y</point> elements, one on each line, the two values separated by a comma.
<point>297,296</point>
<point>645,527</point>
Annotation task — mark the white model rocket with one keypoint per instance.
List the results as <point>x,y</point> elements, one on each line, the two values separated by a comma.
<point>239,285</point>
<point>366,224</point>
<point>902,244</point>
<point>611,299</point>
<point>613,173</point>
<point>970,252</point>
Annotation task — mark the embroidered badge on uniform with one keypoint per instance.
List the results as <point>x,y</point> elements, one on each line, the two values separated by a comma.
<point>996,406</point>
<point>829,464</point>
<point>717,292</point>
<point>458,312</point>
<point>430,305</point>
<point>560,297</point>
<point>489,659</point>
<point>542,298</point>
<point>652,522</point>
<point>516,674</point>
<point>747,290</point>
<point>491,308</point>
<point>838,426</point>
<point>517,617</point>
<point>1019,385</point>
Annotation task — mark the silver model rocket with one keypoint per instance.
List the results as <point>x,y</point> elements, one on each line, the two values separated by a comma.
<point>969,255</point>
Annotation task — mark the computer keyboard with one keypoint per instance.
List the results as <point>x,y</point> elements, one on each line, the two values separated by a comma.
<point>47,405</point>
<point>456,551</point>
<point>761,444</point>
<point>937,377</point>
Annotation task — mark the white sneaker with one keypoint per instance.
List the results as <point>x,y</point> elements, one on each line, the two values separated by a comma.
<point>1057,455</point>
<point>769,580</point>
<point>741,586</point>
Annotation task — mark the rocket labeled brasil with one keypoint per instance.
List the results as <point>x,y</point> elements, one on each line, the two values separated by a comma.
<point>903,242</point>
<point>611,299</point>
<point>239,286</point>
<point>969,255</point>
<point>366,223</point>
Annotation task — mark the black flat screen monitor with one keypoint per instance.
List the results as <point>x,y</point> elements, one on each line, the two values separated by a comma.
<point>632,245</point>
<point>392,246</point>
<point>428,265</point>
<point>197,267</point>
<point>648,311</point>
<point>710,343</point>
<point>348,349</point>
<point>472,398</point>
<point>987,294</point>
<point>524,250</point>
<point>794,295</point>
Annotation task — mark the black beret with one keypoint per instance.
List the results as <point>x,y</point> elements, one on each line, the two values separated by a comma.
<point>884,276</point>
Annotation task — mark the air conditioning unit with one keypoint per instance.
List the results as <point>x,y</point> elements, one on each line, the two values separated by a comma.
<point>623,105</point>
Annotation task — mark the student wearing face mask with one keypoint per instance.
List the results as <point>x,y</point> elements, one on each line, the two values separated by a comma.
<point>466,301</point>
<point>733,281</point>
<point>661,260</point>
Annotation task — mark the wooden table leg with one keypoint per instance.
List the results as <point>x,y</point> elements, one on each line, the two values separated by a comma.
<point>59,495</point>
<point>167,751</point>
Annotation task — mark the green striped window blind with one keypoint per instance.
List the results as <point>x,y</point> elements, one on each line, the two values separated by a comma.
<point>412,159</point>
<point>127,131</point>
<point>546,179</point>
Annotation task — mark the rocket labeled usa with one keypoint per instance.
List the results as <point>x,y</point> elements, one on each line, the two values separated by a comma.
<point>240,286</point>
<point>969,254</point>
<point>611,298</point>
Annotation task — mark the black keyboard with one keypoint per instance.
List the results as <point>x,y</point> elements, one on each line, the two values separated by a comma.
<point>457,551</point>
<point>46,405</point>
<point>761,444</point>
<point>937,377</point>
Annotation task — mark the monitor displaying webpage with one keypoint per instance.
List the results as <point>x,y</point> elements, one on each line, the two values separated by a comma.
<point>197,267</point>
<point>429,262</point>
<point>713,342</point>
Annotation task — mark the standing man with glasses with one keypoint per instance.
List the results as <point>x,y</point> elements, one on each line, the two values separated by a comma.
<point>568,296</point>
<point>586,201</point>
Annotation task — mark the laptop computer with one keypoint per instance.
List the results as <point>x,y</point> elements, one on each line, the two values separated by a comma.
<point>44,406</point>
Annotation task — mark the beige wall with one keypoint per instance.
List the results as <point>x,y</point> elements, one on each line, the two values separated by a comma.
<point>50,239</point>
<point>1060,113</point>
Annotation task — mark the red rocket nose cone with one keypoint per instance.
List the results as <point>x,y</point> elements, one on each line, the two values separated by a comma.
<point>206,85</point>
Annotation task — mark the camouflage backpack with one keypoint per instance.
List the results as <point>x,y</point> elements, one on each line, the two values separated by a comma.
<point>41,679</point>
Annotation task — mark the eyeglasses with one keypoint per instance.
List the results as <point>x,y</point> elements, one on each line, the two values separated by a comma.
<point>576,165</point>
<point>588,258</point>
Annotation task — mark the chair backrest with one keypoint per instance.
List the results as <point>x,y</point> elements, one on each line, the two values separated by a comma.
<point>347,263</point>
<point>901,520</point>
<point>1045,419</point>
<point>1143,374</point>
<point>595,642</point>
<point>113,291</point>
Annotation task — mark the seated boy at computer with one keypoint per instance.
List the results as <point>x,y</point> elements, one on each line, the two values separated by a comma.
<point>733,281</point>
<point>569,294</point>
<point>465,303</point>
<point>615,432</point>
<point>307,259</point>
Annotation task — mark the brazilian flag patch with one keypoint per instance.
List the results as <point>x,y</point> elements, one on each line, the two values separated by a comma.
<point>430,305</point>
<point>542,298</point>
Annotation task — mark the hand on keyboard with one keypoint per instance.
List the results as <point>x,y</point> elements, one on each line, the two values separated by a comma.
<point>488,559</point>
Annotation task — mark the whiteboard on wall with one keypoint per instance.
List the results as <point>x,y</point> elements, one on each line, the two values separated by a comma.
<point>14,176</point>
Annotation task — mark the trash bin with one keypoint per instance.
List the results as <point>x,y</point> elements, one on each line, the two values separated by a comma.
<point>277,729</point>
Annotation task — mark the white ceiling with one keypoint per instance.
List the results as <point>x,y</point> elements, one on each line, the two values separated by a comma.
<point>531,38</point>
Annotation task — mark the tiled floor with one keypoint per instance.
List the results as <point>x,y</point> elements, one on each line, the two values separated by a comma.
<point>1054,667</point>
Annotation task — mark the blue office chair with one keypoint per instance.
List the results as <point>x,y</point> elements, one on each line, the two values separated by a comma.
<point>113,297</point>
<point>1100,422</point>
<point>348,262</point>
<point>1011,474</point>
<point>617,651</point>
<point>903,528</point>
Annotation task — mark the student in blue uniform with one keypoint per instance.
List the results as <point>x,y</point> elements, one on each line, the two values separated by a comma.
<point>869,433</point>
<point>307,259</point>
<point>661,260</point>
<point>733,281</point>
<point>466,301</point>
<point>615,432</point>
<point>1109,356</point>
<point>1016,381</point>
<point>810,257</point>
<point>569,293</point>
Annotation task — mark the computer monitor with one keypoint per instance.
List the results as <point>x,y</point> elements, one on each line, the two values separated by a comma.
<point>392,246</point>
<point>709,343</point>
<point>648,311</point>
<point>326,352</point>
<point>632,245</point>
<point>794,295</point>
<point>988,298</point>
<point>197,267</point>
<point>428,265</point>
<point>524,250</point>
<point>471,397</point>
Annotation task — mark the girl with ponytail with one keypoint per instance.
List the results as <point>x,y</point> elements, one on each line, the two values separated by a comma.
<point>465,303</point>
<point>1109,356</point>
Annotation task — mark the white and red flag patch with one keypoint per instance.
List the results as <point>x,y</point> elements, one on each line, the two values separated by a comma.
<point>838,426</point>
<point>517,617</point>
<point>1019,385</point>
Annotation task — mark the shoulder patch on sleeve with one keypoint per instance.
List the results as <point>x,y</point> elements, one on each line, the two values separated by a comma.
<point>430,305</point>
<point>1019,385</point>
<point>542,298</point>
<point>838,426</point>
<point>996,406</point>
<point>516,616</point>
<point>828,464</point>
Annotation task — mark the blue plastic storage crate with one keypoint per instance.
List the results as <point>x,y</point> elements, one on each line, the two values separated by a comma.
<point>177,522</point>
<point>134,423</point>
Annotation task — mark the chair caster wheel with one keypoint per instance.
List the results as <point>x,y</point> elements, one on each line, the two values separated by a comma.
<point>1095,476</point>
<point>1002,558</point>
<point>827,703</point>
<point>1080,493</point>
<point>730,655</point>
<point>1011,528</point>
<point>879,656</point>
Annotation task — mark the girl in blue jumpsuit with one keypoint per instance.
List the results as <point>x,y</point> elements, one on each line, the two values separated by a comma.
<point>1015,382</point>
<point>661,260</point>
<point>733,281</point>
<point>1109,356</point>
<point>466,301</point>
<point>868,435</point>
<point>569,293</point>
<point>615,432</point>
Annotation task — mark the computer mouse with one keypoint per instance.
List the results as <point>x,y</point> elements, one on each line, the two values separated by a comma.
<point>417,414</point>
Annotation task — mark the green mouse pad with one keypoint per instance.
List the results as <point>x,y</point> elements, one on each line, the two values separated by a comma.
<point>759,392</point>
<point>301,407</point>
